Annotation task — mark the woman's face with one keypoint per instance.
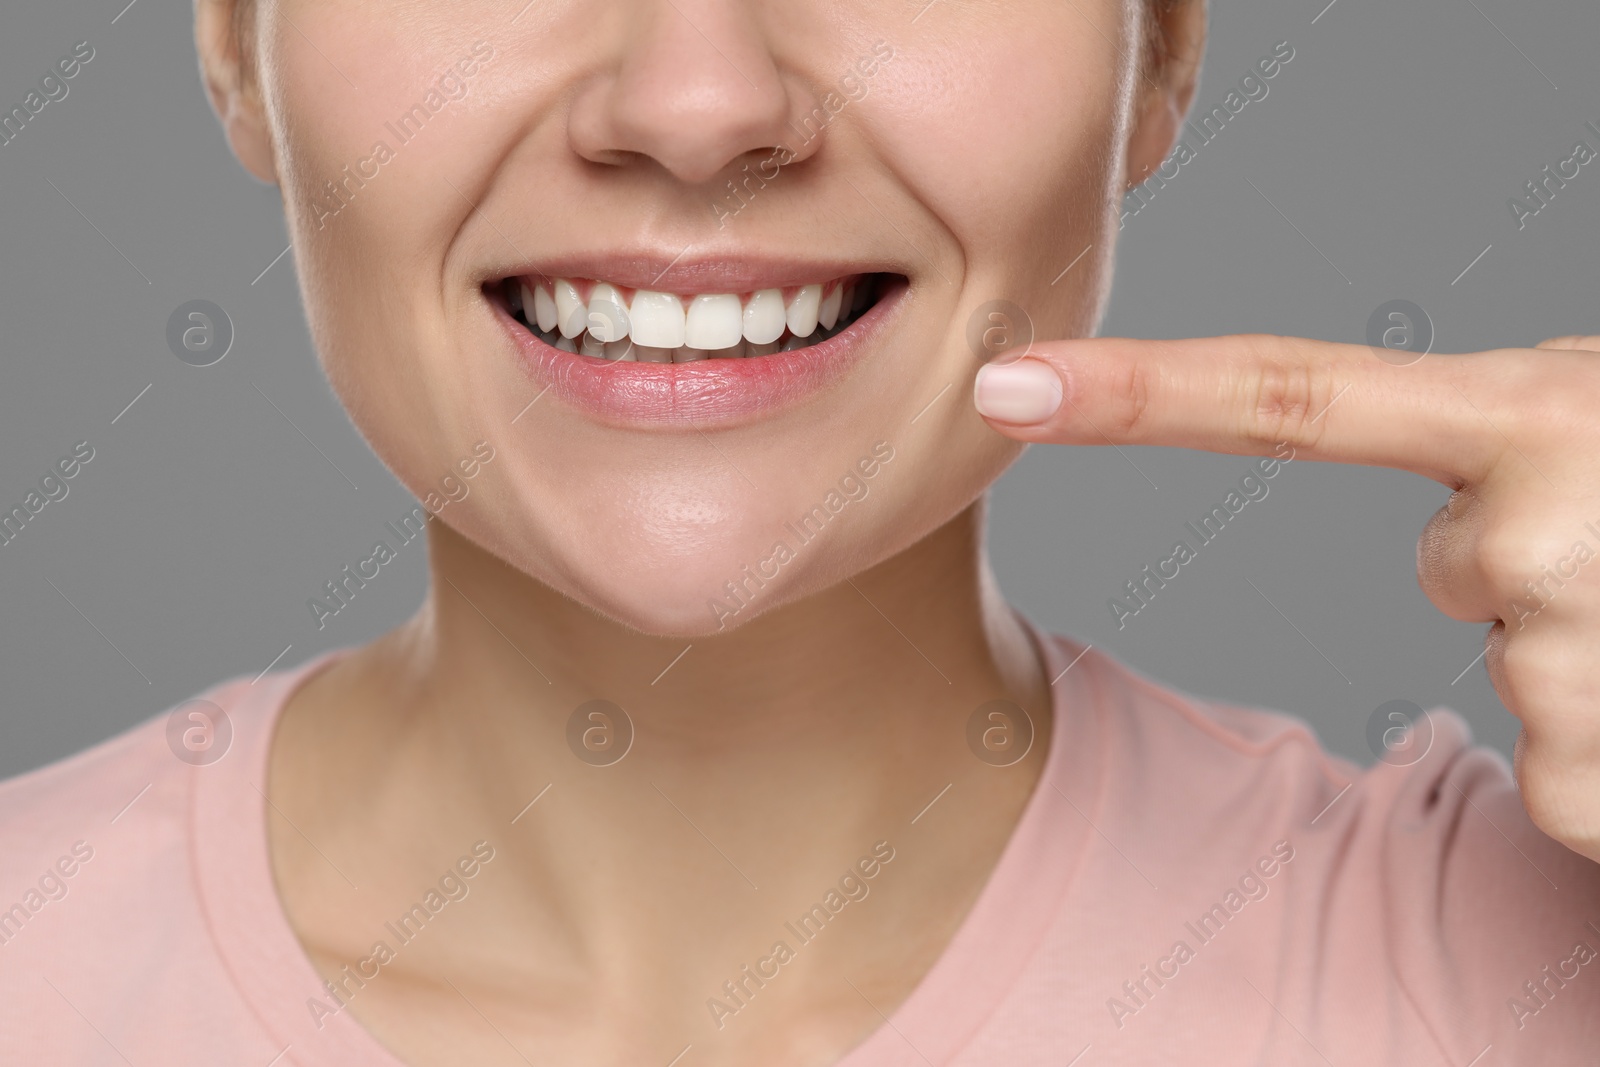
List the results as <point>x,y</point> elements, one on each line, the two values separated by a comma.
<point>442,163</point>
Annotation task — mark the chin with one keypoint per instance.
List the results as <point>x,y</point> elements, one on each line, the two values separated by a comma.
<point>714,593</point>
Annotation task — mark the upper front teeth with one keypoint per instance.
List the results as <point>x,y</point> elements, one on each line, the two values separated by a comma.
<point>651,325</point>
<point>764,317</point>
<point>657,319</point>
<point>571,315</point>
<point>803,310</point>
<point>714,320</point>
<point>608,317</point>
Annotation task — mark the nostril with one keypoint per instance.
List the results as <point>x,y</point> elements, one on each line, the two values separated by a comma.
<point>691,96</point>
<point>695,142</point>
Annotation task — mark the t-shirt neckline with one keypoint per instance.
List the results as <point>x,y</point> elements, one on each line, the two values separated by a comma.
<point>946,1009</point>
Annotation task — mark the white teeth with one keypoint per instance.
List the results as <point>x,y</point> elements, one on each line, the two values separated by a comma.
<point>544,307</point>
<point>714,321</point>
<point>764,317</point>
<point>571,315</point>
<point>656,327</point>
<point>608,315</point>
<point>828,311</point>
<point>657,319</point>
<point>802,312</point>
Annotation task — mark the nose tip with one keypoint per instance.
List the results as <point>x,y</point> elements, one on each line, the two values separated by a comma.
<point>697,88</point>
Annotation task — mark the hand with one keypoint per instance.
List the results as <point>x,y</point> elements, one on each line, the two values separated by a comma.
<point>1515,432</point>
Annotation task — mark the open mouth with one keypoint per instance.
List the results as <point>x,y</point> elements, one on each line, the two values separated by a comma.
<point>614,322</point>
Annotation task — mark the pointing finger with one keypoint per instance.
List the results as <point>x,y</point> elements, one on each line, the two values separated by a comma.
<point>1246,395</point>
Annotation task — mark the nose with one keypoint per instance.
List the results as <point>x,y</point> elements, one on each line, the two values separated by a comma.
<point>697,88</point>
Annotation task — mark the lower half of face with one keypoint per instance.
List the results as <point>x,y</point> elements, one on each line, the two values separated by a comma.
<point>710,281</point>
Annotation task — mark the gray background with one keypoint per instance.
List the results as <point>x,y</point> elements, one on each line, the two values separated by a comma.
<point>187,548</point>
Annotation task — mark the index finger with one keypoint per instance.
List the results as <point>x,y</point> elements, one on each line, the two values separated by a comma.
<point>1247,395</point>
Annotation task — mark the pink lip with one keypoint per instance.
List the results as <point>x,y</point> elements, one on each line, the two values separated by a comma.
<point>705,392</point>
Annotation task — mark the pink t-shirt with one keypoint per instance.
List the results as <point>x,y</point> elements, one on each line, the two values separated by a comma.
<point>1190,883</point>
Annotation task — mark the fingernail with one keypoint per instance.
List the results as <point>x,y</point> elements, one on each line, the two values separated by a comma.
<point>1023,392</point>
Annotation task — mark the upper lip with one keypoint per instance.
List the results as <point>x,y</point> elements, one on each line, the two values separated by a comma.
<point>684,273</point>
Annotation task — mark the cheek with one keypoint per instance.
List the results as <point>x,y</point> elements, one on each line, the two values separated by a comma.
<point>365,143</point>
<point>372,208</point>
<point>1004,147</point>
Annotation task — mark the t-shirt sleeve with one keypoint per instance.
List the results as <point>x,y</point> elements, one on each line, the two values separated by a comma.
<point>1493,928</point>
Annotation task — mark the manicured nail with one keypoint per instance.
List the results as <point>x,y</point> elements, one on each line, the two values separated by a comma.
<point>1022,392</point>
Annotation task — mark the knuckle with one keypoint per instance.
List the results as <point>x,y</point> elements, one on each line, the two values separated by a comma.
<point>1508,551</point>
<point>1288,401</point>
<point>1133,390</point>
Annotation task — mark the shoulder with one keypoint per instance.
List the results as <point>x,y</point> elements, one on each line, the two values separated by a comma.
<point>1437,796</point>
<point>106,831</point>
<point>1420,879</point>
<point>101,909</point>
<point>82,796</point>
<point>1181,741</point>
<point>88,794</point>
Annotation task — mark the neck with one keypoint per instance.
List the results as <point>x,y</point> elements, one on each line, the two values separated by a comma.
<point>772,756</point>
<point>918,636</point>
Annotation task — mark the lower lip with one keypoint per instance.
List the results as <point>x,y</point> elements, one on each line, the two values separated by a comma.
<point>706,391</point>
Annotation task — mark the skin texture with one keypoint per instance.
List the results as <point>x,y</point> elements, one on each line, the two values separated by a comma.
<point>989,153</point>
